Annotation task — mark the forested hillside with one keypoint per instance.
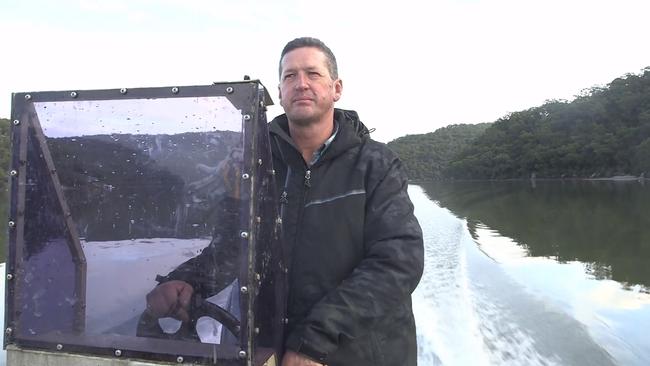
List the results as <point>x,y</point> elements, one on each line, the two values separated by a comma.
<point>602,133</point>
<point>426,156</point>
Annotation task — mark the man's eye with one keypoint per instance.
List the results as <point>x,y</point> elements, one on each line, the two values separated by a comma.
<point>288,76</point>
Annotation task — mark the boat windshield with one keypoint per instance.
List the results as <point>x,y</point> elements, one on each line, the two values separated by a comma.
<point>139,227</point>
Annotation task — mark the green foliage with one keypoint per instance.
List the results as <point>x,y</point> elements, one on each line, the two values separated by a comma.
<point>642,156</point>
<point>426,156</point>
<point>603,132</point>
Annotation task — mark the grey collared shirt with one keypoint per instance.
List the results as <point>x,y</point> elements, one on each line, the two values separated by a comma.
<point>318,153</point>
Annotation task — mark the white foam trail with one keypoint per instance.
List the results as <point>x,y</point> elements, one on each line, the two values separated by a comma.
<point>457,323</point>
<point>448,331</point>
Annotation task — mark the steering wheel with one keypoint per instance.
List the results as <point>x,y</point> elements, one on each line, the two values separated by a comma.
<point>148,325</point>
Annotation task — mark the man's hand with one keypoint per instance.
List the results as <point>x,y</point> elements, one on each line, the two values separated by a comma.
<point>296,359</point>
<point>170,299</point>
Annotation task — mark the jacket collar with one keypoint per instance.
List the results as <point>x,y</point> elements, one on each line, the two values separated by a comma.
<point>351,132</point>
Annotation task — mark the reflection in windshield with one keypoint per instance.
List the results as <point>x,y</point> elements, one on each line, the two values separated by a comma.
<point>148,185</point>
<point>135,186</point>
<point>161,116</point>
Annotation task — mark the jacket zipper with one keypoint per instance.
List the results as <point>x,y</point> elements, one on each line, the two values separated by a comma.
<point>308,178</point>
<point>297,233</point>
<point>284,196</point>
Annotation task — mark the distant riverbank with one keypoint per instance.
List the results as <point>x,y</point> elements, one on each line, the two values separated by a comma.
<point>616,178</point>
<point>622,178</point>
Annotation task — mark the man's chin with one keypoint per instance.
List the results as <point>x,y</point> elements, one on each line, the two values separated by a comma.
<point>301,119</point>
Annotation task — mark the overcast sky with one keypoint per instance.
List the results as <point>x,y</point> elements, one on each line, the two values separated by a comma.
<point>407,66</point>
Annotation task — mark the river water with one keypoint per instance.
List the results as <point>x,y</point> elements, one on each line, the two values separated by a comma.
<point>545,274</point>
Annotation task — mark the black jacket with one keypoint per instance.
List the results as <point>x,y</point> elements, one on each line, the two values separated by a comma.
<point>355,248</point>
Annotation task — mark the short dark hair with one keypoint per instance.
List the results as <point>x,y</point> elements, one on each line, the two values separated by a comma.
<point>315,43</point>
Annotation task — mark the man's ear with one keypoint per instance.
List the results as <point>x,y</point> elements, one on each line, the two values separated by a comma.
<point>279,93</point>
<point>338,89</point>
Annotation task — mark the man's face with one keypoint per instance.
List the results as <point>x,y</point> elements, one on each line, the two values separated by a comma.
<point>307,91</point>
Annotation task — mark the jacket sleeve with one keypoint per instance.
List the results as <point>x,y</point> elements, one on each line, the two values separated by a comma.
<point>210,271</point>
<point>381,283</point>
<point>217,265</point>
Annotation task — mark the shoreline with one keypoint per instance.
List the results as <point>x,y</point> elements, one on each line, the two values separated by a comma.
<point>616,178</point>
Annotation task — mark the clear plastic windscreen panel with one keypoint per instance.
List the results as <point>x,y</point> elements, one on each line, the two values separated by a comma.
<point>144,225</point>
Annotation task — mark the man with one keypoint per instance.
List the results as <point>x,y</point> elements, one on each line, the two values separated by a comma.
<point>356,250</point>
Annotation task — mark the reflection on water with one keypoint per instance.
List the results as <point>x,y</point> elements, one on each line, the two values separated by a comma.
<point>603,224</point>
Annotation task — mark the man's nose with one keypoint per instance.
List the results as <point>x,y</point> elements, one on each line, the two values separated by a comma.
<point>302,82</point>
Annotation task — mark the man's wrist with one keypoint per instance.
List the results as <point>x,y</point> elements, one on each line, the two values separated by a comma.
<point>302,347</point>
